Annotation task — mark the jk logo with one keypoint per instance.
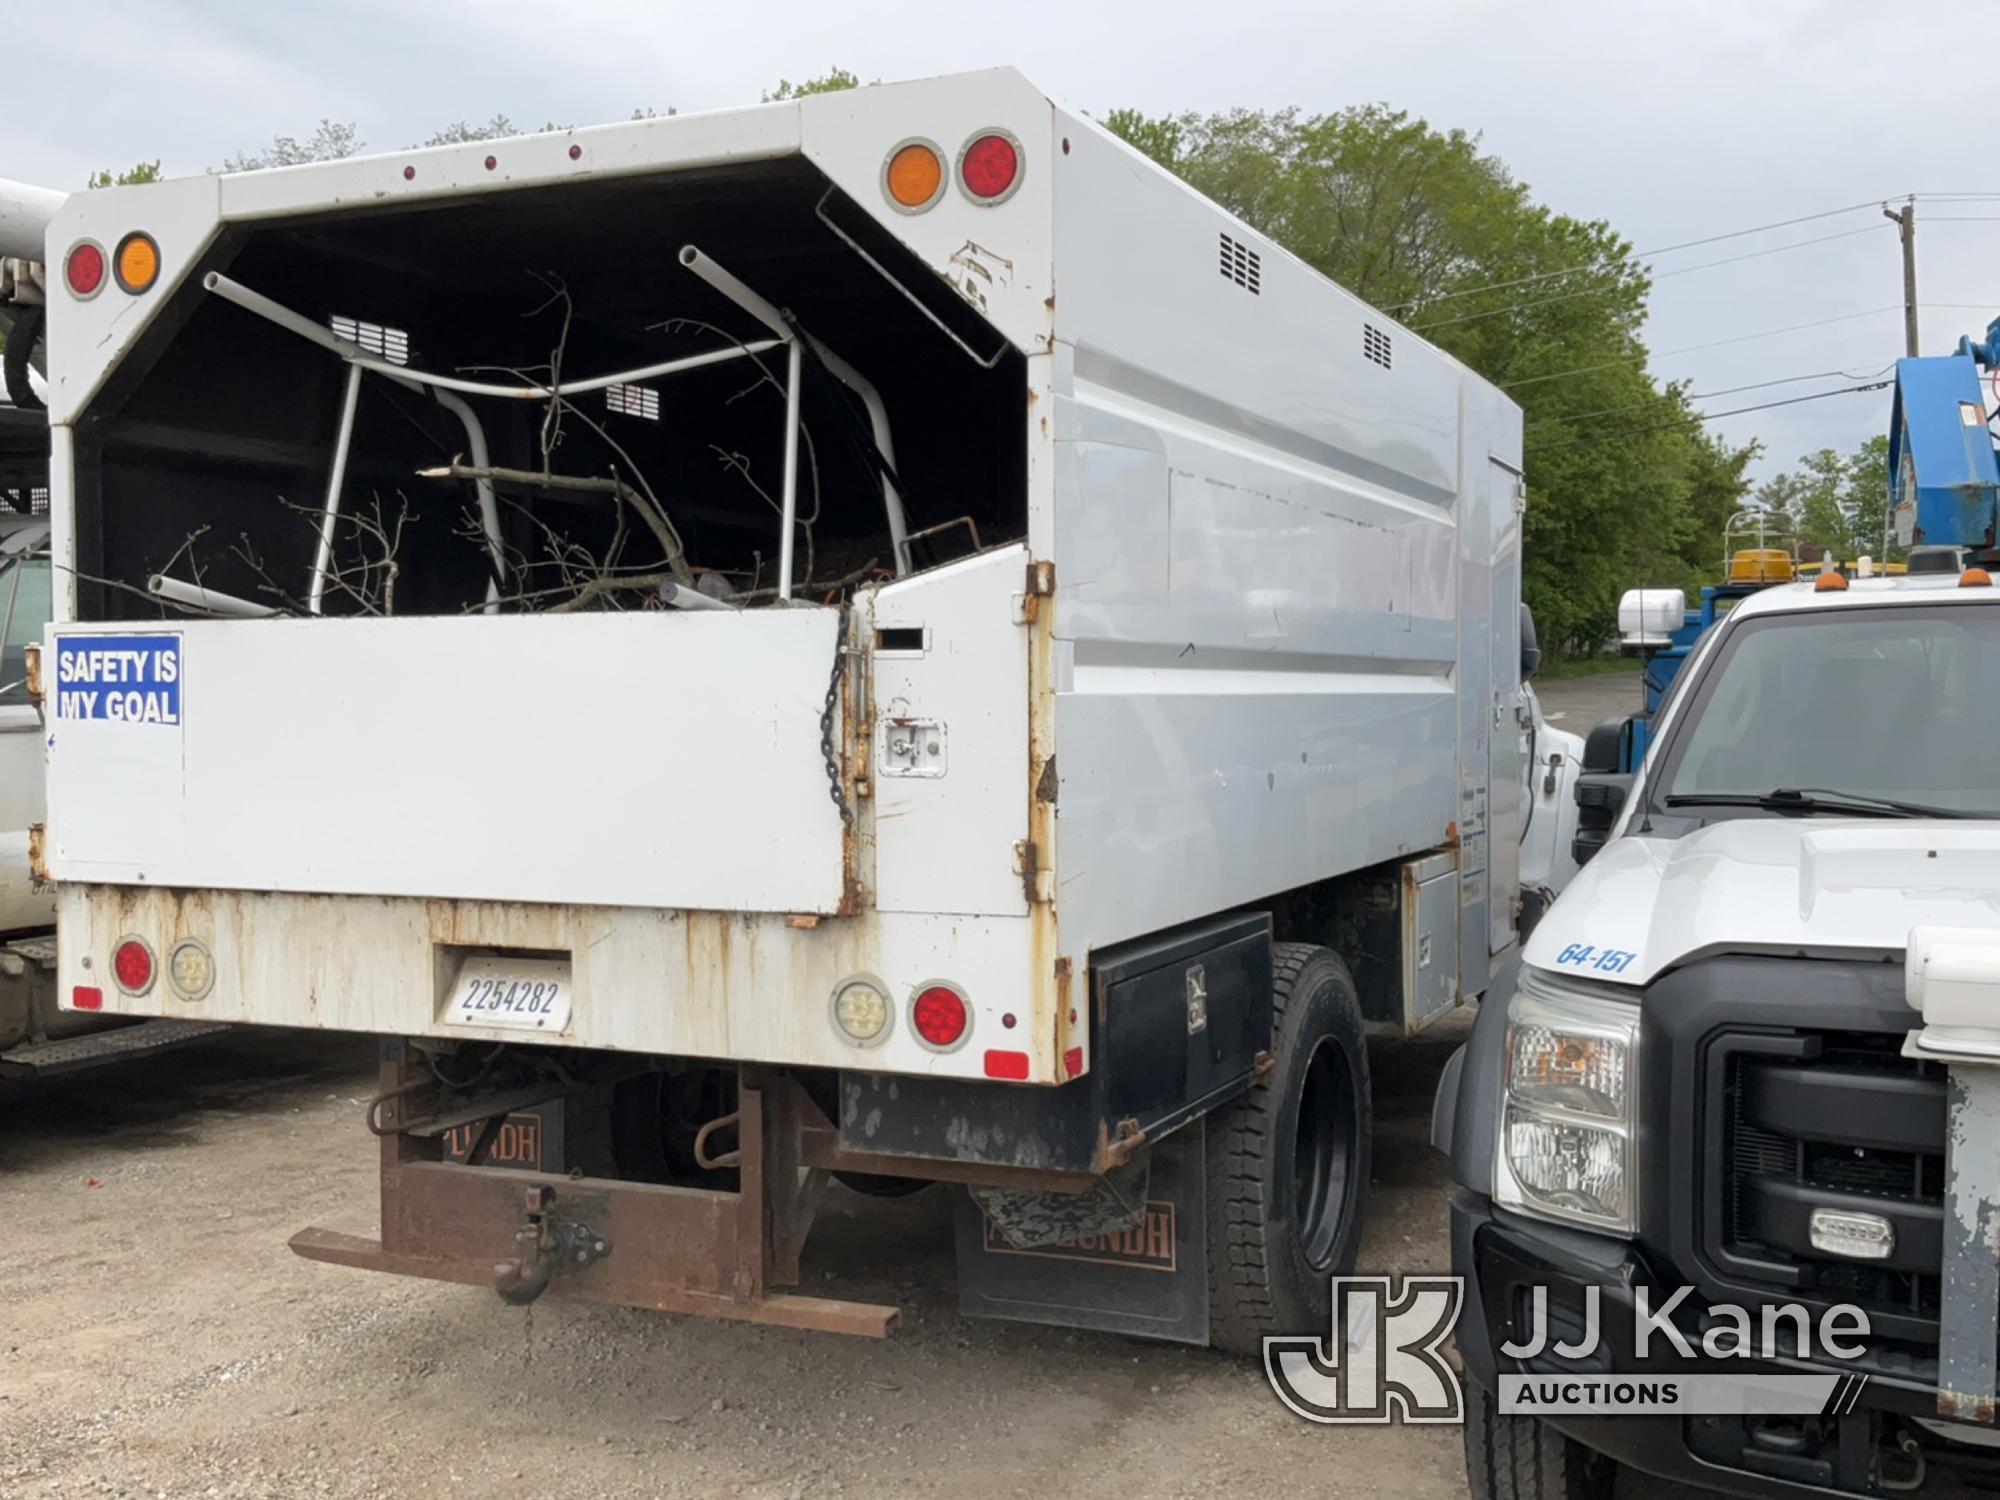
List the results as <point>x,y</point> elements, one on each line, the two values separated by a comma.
<point>1381,1362</point>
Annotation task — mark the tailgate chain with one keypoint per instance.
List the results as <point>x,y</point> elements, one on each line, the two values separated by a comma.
<point>827,750</point>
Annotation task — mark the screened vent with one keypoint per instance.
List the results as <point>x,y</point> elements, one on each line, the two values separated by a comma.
<point>633,401</point>
<point>1375,344</point>
<point>392,344</point>
<point>1241,265</point>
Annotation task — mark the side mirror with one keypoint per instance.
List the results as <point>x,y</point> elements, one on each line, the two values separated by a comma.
<point>1603,785</point>
<point>1531,645</point>
<point>1600,797</point>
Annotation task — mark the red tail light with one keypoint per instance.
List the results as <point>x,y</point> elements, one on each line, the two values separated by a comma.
<point>132,966</point>
<point>989,167</point>
<point>84,268</point>
<point>87,997</point>
<point>938,1015</point>
<point>1013,1065</point>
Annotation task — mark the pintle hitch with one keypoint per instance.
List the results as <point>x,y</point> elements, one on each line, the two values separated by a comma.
<point>548,1245</point>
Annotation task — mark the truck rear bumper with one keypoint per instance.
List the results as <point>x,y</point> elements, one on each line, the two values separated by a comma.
<point>745,987</point>
<point>592,1239</point>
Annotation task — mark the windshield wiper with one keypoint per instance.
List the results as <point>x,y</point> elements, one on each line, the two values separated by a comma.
<point>1807,800</point>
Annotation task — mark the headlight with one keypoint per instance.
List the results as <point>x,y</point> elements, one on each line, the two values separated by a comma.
<point>1568,1106</point>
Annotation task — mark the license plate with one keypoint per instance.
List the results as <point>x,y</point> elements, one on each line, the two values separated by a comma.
<point>517,994</point>
<point>528,1138</point>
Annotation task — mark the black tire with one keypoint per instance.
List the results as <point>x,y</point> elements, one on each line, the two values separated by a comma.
<point>1511,1457</point>
<point>21,341</point>
<point>871,1185</point>
<point>1288,1164</point>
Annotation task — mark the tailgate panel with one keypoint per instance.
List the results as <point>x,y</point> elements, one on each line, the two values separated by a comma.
<point>639,759</point>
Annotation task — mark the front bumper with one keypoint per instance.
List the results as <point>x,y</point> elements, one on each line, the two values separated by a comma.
<point>1502,1256</point>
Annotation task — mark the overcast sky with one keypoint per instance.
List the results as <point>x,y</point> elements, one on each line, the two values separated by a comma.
<point>1673,119</point>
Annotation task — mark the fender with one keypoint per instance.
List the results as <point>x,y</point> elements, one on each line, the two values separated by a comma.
<point>1466,1113</point>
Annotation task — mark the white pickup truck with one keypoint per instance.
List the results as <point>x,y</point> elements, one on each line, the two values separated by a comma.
<point>1710,1066</point>
<point>876,635</point>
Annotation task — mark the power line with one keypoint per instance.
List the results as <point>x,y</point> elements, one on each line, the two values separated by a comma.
<point>1713,239</point>
<point>1727,260</point>
<point>1745,338</point>
<point>1761,385</point>
<point>1695,419</point>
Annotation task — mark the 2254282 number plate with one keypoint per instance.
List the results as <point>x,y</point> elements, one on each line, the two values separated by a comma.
<point>518,994</point>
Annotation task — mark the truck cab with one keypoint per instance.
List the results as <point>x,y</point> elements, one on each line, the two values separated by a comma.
<point>1704,1071</point>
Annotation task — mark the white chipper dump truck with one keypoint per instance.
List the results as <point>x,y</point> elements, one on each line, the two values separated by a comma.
<point>875,636</point>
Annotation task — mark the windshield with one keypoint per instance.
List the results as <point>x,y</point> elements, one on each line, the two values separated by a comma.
<point>24,614</point>
<point>1890,703</point>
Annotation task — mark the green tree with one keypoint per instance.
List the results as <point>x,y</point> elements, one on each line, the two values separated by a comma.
<point>830,82</point>
<point>1837,502</point>
<point>1624,486</point>
<point>331,141</point>
<point>463,132</point>
<point>145,171</point>
<point>1779,497</point>
<point>1867,499</point>
<point>1823,520</point>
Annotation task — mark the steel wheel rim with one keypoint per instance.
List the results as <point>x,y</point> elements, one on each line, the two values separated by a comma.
<point>1323,1152</point>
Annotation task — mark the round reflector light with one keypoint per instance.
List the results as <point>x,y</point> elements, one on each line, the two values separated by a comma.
<point>83,269</point>
<point>861,1011</point>
<point>990,166</point>
<point>939,1016</point>
<point>132,965</point>
<point>190,970</point>
<point>913,176</point>
<point>137,263</point>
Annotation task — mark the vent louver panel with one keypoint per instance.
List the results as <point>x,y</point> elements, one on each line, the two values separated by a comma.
<point>1375,345</point>
<point>392,344</point>
<point>1242,265</point>
<point>633,401</point>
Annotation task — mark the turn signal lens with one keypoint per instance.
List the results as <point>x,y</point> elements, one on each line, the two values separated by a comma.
<point>939,1017</point>
<point>189,970</point>
<point>990,166</point>
<point>861,1011</point>
<point>914,176</point>
<point>137,263</point>
<point>1975,578</point>
<point>132,966</point>
<point>83,269</point>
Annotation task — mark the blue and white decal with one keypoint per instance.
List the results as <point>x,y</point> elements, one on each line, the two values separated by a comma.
<point>130,679</point>
<point>1596,960</point>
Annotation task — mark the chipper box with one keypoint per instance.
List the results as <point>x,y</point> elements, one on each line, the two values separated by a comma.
<point>875,638</point>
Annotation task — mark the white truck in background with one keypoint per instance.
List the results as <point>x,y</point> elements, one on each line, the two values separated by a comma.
<point>876,636</point>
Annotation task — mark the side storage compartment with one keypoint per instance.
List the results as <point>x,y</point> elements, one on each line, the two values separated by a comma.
<point>1178,1021</point>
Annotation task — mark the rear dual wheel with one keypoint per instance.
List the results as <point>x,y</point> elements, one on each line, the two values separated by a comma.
<point>1288,1163</point>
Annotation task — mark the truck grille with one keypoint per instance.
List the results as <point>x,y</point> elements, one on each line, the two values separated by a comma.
<point>1829,1120</point>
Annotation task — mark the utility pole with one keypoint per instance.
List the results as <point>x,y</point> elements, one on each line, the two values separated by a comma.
<point>1906,219</point>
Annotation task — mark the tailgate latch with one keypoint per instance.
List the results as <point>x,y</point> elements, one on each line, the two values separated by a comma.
<point>548,1245</point>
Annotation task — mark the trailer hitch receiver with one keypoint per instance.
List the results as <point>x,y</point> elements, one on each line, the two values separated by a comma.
<point>548,1245</point>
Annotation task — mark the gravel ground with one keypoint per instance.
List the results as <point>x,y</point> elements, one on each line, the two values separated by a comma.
<point>158,1339</point>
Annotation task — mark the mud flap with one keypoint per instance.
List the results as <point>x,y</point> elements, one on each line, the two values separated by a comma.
<point>1150,1280</point>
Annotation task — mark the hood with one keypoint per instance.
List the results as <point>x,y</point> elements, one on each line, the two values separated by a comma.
<point>1783,885</point>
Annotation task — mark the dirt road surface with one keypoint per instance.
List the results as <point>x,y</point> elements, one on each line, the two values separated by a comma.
<point>158,1340</point>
